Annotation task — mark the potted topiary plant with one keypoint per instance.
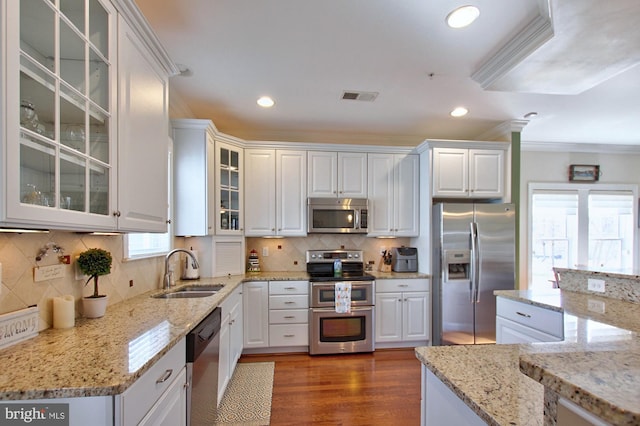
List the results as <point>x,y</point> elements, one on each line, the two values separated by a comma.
<point>94,262</point>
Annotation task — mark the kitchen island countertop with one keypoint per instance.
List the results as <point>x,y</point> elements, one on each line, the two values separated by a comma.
<point>597,366</point>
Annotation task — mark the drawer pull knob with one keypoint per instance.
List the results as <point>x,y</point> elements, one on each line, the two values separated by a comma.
<point>165,376</point>
<point>523,315</point>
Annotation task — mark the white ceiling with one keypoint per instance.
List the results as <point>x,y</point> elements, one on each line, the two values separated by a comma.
<point>579,71</point>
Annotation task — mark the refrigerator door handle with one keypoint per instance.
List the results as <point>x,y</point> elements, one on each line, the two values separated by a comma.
<point>474,263</point>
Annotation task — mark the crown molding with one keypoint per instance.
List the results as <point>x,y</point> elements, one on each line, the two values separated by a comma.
<point>537,32</point>
<point>503,131</point>
<point>579,147</point>
<point>139,24</point>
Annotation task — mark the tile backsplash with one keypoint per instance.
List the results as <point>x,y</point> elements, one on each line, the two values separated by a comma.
<point>288,254</point>
<point>18,257</point>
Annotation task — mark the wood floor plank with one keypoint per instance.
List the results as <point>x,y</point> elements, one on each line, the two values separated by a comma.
<point>379,388</point>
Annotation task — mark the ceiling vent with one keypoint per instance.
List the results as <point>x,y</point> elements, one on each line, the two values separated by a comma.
<point>359,96</point>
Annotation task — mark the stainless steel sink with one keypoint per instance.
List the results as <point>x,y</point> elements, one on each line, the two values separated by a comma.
<point>183,294</point>
<point>195,287</point>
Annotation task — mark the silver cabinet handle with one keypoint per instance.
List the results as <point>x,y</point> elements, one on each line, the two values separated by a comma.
<point>289,335</point>
<point>165,376</point>
<point>289,303</point>
<point>289,317</point>
<point>289,288</point>
<point>523,315</point>
<point>403,285</point>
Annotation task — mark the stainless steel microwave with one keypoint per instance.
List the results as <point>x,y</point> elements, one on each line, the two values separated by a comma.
<point>337,215</point>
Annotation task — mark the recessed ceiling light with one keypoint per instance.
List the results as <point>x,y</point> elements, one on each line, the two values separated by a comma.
<point>531,114</point>
<point>265,102</point>
<point>462,16</point>
<point>459,112</point>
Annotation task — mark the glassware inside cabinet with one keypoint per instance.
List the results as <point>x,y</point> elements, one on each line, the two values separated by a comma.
<point>65,106</point>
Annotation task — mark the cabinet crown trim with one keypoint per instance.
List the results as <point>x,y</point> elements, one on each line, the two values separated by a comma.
<point>139,24</point>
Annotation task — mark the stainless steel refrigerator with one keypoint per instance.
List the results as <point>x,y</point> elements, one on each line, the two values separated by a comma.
<point>473,255</point>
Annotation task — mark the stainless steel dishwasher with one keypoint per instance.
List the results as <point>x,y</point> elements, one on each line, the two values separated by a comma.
<point>203,346</point>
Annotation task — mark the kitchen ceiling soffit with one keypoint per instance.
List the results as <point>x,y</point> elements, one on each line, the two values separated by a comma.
<point>567,49</point>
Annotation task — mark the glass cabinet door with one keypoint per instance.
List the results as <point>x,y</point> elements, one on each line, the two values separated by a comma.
<point>229,163</point>
<point>65,103</point>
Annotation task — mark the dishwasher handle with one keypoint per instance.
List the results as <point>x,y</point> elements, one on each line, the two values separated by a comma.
<point>203,333</point>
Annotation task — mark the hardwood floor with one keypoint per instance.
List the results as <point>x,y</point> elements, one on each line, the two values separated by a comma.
<point>380,388</point>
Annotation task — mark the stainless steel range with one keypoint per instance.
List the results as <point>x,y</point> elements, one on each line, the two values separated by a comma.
<point>331,332</point>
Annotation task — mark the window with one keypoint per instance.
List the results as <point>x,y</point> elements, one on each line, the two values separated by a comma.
<point>142,245</point>
<point>583,226</point>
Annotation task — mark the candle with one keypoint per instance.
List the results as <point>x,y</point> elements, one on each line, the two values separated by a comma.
<point>64,315</point>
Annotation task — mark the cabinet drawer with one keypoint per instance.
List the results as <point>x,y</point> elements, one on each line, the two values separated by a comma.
<point>288,287</point>
<point>142,395</point>
<point>288,335</point>
<point>289,316</point>
<point>545,320</point>
<point>388,286</point>
<point>295,301</point>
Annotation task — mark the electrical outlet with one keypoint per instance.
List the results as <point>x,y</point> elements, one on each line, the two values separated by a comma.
<point>595,285</point>
<point>595,306</point>
<point>265,251</point>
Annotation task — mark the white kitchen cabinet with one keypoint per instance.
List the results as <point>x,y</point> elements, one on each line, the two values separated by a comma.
<point>518,322</point>
<point>276,193</point>
<point>402,311</point>
<point>231,337</point>
<point>468,173</point>
<point>143,133</point>
<point>194,177</point>
<point>171,407</point>
<point>255,297</point>
<point>394,203</point>
<point>441,406</point>
<point>229,188</point>
<point>159,395</point>
<point>288,313</point>
<point>337,174</point>
<point>85,104</point>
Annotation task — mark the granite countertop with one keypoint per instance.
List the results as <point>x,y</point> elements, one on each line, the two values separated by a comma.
<point>93,358</point>
<point>597,366</point>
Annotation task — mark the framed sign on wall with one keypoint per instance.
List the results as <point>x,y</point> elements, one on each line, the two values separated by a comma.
<point>583,172</point>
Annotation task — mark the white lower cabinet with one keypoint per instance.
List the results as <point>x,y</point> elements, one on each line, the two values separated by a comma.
<point>231,338</point>
<point>440,406</point>
<point>402,312</point>
<point>159,396</point>
<point>518,322</point>
<point>288,313</point>
<point>255,298</point>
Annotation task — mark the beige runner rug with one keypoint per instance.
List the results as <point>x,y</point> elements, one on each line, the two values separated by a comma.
<point>247,400</point>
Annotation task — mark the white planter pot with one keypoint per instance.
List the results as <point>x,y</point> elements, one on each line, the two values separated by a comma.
<point>94,307</point>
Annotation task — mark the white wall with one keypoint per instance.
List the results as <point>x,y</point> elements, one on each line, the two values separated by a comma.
<point>547,166</point>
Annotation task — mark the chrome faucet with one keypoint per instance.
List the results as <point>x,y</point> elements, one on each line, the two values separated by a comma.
<point>166,283</point>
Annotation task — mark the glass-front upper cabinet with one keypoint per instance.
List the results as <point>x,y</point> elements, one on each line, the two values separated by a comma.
<point>59,111</point>
<point>229,161</point>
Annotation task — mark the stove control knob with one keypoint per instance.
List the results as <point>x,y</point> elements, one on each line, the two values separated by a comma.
<point>356,255</point>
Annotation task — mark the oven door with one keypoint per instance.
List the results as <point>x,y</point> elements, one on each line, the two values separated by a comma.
<point>323,294</point>
<point>334,333</point>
